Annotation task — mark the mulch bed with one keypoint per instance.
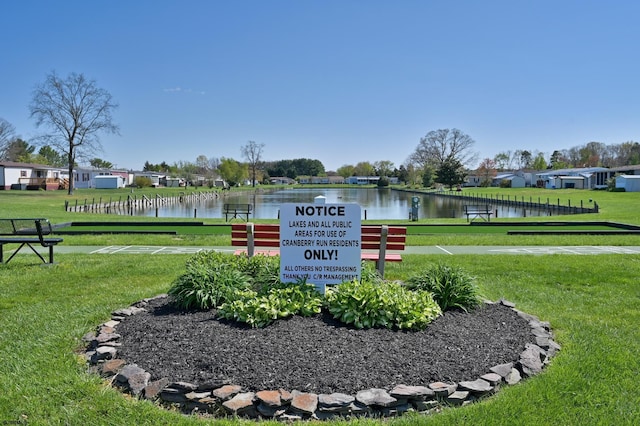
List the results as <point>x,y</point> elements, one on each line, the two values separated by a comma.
<point>319,354</point>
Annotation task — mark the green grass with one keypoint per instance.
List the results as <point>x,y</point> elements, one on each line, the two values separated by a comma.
<point>591,301</point>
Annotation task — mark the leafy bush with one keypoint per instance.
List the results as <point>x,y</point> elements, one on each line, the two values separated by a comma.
<point>451,286</point>
<point>367,304</point>
<point>274,302</point>
<point>263,270</point>
<point>142,182</point>
<point>205,286</point>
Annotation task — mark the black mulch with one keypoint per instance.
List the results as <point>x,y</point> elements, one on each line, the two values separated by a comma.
<point>318,354</point>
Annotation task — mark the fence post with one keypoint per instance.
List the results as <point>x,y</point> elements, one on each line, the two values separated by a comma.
<point>250,239</point>
<point>384,232</point>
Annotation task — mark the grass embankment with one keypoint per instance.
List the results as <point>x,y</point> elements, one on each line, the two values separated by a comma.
<point>591,302</point>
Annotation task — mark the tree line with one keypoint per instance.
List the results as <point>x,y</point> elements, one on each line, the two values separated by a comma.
<point>75,111</point>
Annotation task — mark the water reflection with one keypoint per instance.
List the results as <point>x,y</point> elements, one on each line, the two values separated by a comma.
<point>376,203</point>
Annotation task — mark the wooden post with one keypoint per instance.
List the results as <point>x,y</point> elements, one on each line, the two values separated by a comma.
<point>250,240</point>
<point>382,253</point>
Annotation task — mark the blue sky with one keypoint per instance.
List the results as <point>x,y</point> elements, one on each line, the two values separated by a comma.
<point>338,81</point>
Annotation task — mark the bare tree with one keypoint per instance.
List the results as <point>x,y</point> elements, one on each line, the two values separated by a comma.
<point>75,110</point>
<point>441,145</point>
<point>252,152</point>
<point>7,135</point>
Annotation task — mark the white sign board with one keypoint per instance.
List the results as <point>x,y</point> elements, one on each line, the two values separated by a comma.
<point>320,243</point>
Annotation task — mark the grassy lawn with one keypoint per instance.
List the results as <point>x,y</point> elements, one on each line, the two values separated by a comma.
<point>591,301</point>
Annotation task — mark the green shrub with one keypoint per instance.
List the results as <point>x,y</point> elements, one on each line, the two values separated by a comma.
<point>367,304</point>
<point>368,272</point>
<point>207,286</point>
<point>451,286</point>
<point>263,270</point>
<point>274,302</point>
<point>142,182</point>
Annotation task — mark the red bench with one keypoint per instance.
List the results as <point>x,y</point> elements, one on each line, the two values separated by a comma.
<point>376,240</point>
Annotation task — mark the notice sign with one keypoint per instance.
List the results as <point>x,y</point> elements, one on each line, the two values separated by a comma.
<point>320,243</point>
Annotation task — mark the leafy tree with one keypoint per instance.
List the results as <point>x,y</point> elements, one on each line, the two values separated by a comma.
<point>524,159</point>
<point>383,168</point>
<point>19,150</point>
<point>504,160</point>
<point>252,152</point>
<point>76,111</point>
<point>428,176</point>
<point>439,145</point>
<point>346,170</point>
<point>232,171</point>
<point>100,164</point>
<point>539,163</point>
<point>51,156</point>
<point>294,168</point>
<point>364,168</point>
<point>402,174</point>
<point>202,163</point>
<point>558,160</point>
<point>451,172</point>
<point>487,171</point>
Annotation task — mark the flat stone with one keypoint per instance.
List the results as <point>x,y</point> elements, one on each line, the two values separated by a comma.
<point>411,392</point>
<point>196,396</point>
<point>211,385</point>
<point>507,303</point>
<point>127,372</point>
<point>359,409</point>
<point>153,389</point>
<point>241,404</point>
<point>304,402</point>
<point>270,398</point>
<point>111,323</point>
<point>105,352</point>
<point>127,312</point>
<point>134,378</point>
<point>112,366</point>
<point>107,337</point>
<point>88,337</point>
<point>226,392</point>
<point>513,377</point>
<point>477,386</point>
<point>184,386</point>
<point>334,400</point>
<point>443,389</point>
<point>543,342</point>
<point>493,378</point>
<point>540,332</point>
<point>378,397</point>
<point>531,360</point>
<point>285,396</point>
<point>502,369</point>
<point>458,397</point>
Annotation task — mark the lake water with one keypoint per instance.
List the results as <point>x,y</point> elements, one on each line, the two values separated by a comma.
<point>375,203</point>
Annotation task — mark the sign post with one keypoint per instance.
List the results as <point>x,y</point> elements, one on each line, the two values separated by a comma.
<point>320,243</point>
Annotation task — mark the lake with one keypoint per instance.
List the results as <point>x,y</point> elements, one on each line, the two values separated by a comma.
<point>376,204</point>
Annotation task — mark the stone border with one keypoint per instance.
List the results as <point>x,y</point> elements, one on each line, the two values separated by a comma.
<point>225,399</point>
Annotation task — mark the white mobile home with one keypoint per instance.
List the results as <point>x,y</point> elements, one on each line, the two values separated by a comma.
<point>15,175</point>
